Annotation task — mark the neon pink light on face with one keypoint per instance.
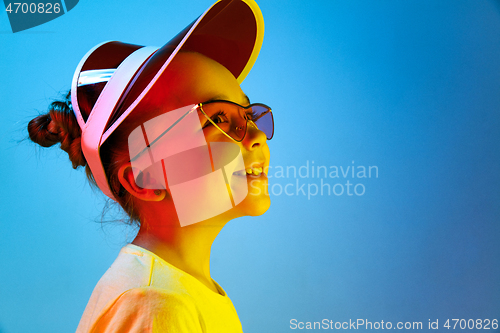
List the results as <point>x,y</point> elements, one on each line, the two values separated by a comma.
<point>171,152</point>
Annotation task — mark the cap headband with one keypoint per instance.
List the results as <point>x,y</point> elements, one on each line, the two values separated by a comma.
<point>113,77</point>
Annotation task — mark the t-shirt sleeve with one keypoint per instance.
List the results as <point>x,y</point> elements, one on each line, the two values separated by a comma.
<point>149,310</point>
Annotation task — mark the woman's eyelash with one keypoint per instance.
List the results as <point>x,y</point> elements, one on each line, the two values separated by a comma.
<point>214,117</point>
<point>251,115</point>
<point>220,113</point>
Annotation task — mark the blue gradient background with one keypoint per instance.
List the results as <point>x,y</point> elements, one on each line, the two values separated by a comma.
<point>412,87</point>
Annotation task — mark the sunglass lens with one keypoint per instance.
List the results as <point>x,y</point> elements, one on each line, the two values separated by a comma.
<point>263,118</point>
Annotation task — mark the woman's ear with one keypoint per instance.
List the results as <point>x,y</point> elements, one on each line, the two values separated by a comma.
<point>127,180</point>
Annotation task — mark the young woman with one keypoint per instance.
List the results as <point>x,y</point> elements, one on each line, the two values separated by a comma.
<point>169,134</point>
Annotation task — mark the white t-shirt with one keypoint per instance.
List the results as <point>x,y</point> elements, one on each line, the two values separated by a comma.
<point>141,292</point>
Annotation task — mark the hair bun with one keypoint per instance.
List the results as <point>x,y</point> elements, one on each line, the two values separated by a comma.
<point>59,125</point>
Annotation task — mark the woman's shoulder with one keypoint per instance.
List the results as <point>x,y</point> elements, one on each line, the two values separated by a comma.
<point>128,290</point>
<point>135,269</point>
<point>145,309</point>
<point>140,289</point>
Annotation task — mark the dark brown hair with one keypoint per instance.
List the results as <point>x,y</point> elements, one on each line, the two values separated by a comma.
<point>59,125</point>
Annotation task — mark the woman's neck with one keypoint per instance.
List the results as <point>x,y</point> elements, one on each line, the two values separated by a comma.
<point>187,248</point>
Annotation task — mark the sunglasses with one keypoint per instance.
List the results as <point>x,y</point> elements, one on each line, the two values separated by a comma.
<point>150,142</point>
<point>228,117</point>
<point>232,119</point>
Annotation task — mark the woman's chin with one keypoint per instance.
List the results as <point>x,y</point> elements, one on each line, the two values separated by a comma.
<point>253,193</point>
<point>259,207</point>
<point>257,201</point>
<point>252,206</point>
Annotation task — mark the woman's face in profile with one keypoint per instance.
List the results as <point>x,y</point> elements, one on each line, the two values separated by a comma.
<point>198,79</point>
<point>220,84</point>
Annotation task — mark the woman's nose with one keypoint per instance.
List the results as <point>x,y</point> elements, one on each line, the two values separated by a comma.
<point>254,138</point>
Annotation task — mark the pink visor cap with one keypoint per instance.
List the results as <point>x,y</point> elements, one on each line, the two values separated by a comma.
<point>113,77</point>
